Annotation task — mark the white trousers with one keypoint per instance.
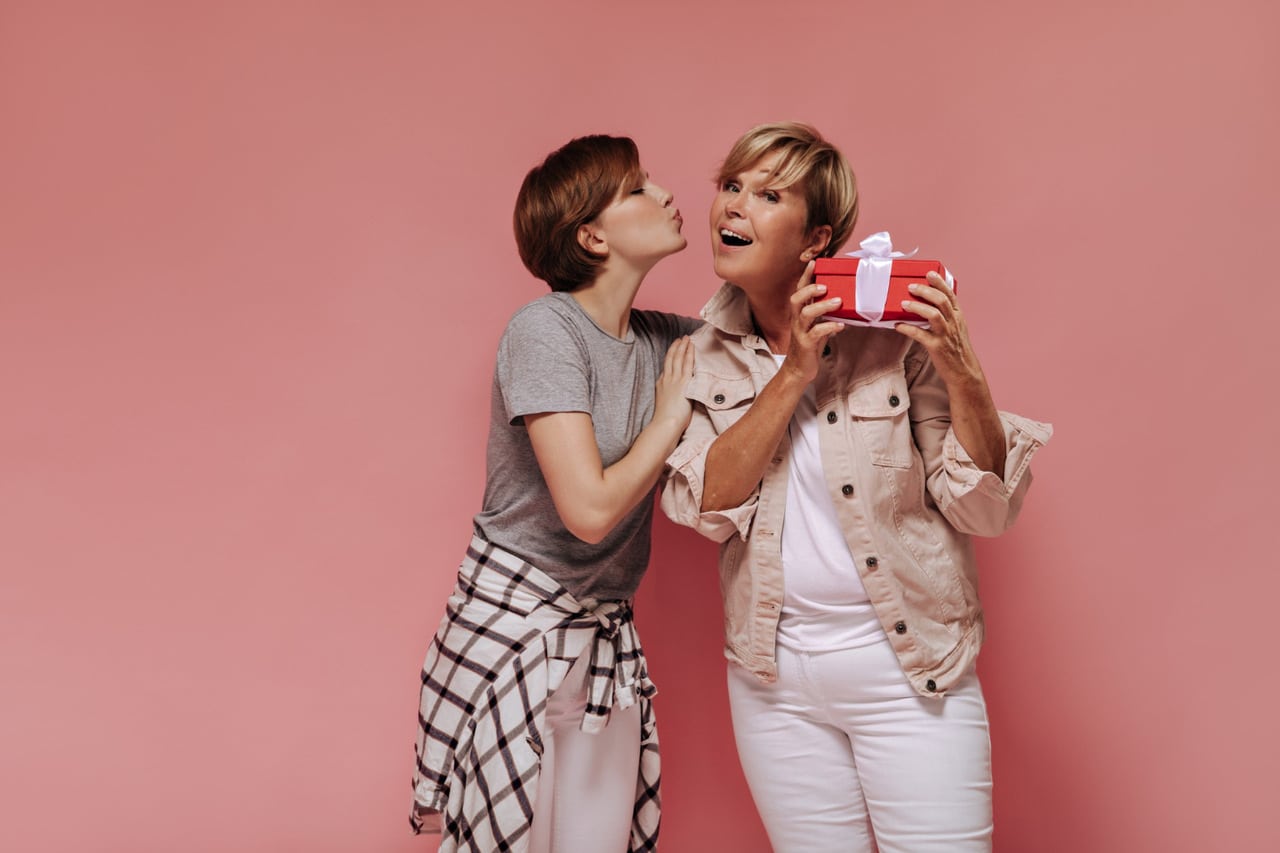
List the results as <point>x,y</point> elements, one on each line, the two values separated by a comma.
<point>842,755</point>
<point>587,784</point>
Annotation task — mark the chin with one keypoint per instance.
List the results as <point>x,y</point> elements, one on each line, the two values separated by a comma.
<point>724,267</point>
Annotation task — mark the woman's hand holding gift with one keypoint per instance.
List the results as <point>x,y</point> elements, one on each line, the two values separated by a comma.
<point>809,332</point>
<point>973,412</point>
<point>947,338</point>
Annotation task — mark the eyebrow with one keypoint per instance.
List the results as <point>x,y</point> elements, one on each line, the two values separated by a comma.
<point>767,183</point>
<point>764,182</point>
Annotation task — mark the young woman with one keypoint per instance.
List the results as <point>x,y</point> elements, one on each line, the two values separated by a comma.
<point>843,470</point>
<point>536,730</point>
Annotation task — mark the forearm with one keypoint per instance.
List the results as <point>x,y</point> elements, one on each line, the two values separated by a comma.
<point>738,458</point>
<point>628,481</point>
<point>977,425</point>
<point>589,498</point>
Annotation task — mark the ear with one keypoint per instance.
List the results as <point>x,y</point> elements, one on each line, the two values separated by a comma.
<point>818,240</point>
<point>592,239</point>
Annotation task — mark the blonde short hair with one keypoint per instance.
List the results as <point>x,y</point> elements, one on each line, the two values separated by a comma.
<point>830,189</point>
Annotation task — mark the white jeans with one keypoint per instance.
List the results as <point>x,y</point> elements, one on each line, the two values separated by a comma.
<point>587,784</point>
<point>841,754</point>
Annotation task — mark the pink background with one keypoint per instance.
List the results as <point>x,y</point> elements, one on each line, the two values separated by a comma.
<point>254,261</point>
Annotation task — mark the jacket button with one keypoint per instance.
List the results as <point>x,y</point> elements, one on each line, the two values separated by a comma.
<point>931,685</point>
<point>893,400</point>
<point>719,398</point>
<point>846,490</point>
<point>872,562</point>
<point>826,350</point>
<point>831,417</point>
<point>901,627</point>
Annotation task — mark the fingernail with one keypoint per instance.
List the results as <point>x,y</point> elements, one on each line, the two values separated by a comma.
<point>822,288</point>
<point>913,287</point>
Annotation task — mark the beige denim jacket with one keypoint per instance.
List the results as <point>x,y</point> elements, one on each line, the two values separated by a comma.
<point>907,494</point>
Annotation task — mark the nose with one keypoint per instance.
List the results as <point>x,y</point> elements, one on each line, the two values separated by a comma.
<point>665,196</point>
<point>733,204</point>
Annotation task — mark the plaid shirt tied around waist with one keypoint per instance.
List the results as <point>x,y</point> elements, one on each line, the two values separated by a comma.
<point>509,636</point>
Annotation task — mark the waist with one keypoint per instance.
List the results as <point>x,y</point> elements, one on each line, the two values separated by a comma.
<point>826,628</point>
<point>502,580</point>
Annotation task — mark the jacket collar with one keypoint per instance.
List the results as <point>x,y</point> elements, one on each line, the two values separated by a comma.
<point>729,311</point>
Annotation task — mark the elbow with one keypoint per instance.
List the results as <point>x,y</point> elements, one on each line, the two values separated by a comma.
<point>590,535</point>
<point>714,500</point>
<point>712,503</point>
<point>987,531</point>
<point>590,527</point>
<point>988,524</point>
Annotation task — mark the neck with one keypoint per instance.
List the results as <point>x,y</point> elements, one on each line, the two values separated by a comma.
<point>607,300</point>
<point>771,312</point>
<point>776,332</point>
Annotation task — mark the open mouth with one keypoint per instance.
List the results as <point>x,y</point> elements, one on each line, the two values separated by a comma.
<point>731,238</point>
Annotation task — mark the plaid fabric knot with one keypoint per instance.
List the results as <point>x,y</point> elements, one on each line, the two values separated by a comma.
<point>618,675</point>
<point>611,615</point>
<point>509,635</point>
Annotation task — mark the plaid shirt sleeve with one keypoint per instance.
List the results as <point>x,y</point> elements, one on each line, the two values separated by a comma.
<point>485,685</point>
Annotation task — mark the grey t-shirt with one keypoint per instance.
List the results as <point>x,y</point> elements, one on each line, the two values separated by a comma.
<point>554,358</point>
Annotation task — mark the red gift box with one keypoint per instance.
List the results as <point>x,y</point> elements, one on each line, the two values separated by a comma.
<point>840,276</point>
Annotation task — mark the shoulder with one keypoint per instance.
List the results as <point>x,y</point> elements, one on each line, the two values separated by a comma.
<point>549,310</point>
<point>662,326</point>
<point>719,357</point>
<point>543,327</point>
<point>708,339</point>
<point>915,359</point>
<point>548,317</point>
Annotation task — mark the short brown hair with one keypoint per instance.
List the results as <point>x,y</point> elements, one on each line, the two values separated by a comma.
<point>830,189</point>
<point>569,189</point>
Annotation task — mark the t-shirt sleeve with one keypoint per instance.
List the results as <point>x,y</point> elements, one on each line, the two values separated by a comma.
<point>667,327</point>
<point>542,365</point>
<point>685,325</point>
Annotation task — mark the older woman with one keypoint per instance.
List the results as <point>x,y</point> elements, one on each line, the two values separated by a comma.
<point>535,731</point>
<point>843,470</point>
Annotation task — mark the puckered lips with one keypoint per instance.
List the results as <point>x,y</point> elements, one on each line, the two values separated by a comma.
<point>729,237</point>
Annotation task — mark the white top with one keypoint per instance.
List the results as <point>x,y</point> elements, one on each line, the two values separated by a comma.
<point>824,605</point>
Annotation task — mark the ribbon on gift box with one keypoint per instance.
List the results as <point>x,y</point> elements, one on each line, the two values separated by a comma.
<point>873,279</point>
<point>875,266</point>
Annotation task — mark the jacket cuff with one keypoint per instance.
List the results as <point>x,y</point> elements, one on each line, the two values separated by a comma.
<point>682,496</point>
<point>1022,438</point>
<point>983,503</point>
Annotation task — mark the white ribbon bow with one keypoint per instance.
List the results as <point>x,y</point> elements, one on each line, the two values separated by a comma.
<point>875,266</point>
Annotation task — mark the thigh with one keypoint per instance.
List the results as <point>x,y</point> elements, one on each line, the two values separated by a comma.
<point>799,768</point>
<point>924,762</point>
<point>587,784</point>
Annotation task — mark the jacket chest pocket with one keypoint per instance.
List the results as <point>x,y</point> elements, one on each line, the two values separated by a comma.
<point>879,411</point>
<point>726,400</point>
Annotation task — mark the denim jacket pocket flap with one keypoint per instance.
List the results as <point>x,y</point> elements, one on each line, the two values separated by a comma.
<point>884,397</point>
<point>718,394</point>
<point>879,409</point>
